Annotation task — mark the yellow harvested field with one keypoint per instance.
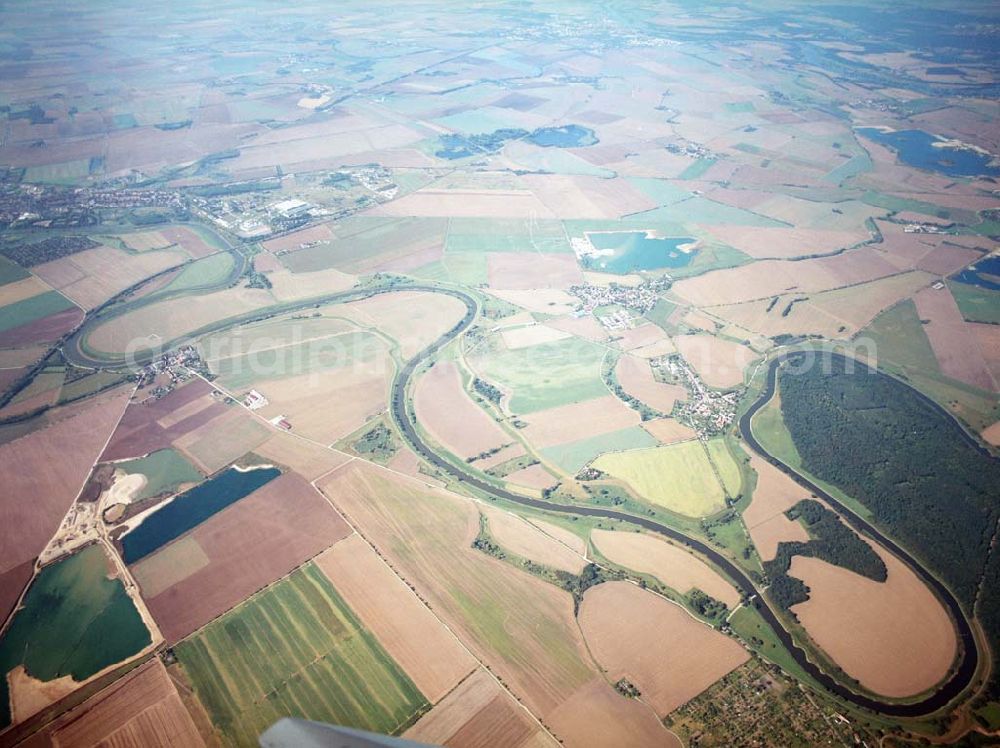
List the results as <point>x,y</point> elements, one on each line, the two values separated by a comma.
<point>167,320</point>
<point>520,537</point>
<point>676,567</point>
<point>222,440</point>
<point>654,350</point>
<point>288,286</point>
<point>894,637</point>
<point>584,327</point>
<point>432,657</point>
<point>479,713</point>
<point>96,275</point>
<point>576,421</point>
<point>596,716</point>
<point>699,320</point>
<point>460,203</point>
<point>542,300</point>
<point>678,477</point>
<point>304,457</point>
<point>991,434</point>
<point>11,293</point>
<point>641,336</point>
<point>784,243</point>
<point>534,476</point>
<point>406,462</point>
<point>413,319</point>
<point>451,417</point>
<point>175,563</point>
<point>564,536</point>
<point>764,518</point>
<point>656,644</point>
<point>521,271</point>
<point>141,241</point>
<point>573,196</point>
<point>720,363</point>
<point>636,377</point>
<point>523,628</point>
<point>525,337</point>
<point>668,430</point>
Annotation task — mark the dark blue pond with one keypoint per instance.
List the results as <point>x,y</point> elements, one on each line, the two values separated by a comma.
<point>916,148</point>
<point>567,136</point>
<point>635,250</point>
<point>192,508</point>
<point>985,274</point>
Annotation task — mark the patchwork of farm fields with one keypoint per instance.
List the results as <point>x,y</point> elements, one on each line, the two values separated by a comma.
<point>296,649</point>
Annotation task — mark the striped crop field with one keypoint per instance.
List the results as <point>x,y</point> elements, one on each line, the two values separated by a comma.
<point>296,649</point>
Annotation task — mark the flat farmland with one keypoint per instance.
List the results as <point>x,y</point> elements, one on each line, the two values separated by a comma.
<point>468,203</point>
<point>288,651</point>
<point>544,301</point>
<point>479,714</point>
<point>43,473</point>
<point>222,440</point>
<point>521,271</point>
<point>522,627</point>
<point>524,337</point>
<point>287,286</point>
<point>196,241</point>
<point>444,408</point>
<point>520,537</point>
<point>582,420</point>
<point>573,456</point>
<point>303,457</point>
<point>141,709</point>
<point>11,293</point>
<point>643,336</point>
<point>893,636</point>
<point>676,567</point>
<point>431,656</point>
<point>765,520</point>
<point>678,477</point>
<point>579,196</point>
<point>784,243</point>
<point>720,363</point>
<point>533,476</point>
<point>35,309</point>
<point>414,320</point>
<point>955,346</point>
<point>669,430</point>
<point>43,326</point>
<point>636,377</point>
<point>655,644</point>
<point>236,552</point>
<point>547,375</point>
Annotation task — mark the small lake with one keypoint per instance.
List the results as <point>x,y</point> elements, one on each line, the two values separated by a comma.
<point>985,274</point>
<point>192,508</point>
<point>916,148</point>
<point>567,136</point>
<point>630,251</point>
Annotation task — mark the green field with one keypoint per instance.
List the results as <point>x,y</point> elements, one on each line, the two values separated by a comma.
<point>726,466</point>
<point>900,339</point>
<point>74,621</point>
<point>573,456</point>
<point>678,477</point>
<point>544,376</point>
<point>66,172</point>
<point>505,235</point>
<point>977,304</point>
<point>751,627</point>
<point>207,272</point>
<point>10,271</point>
<point>296,649</point>
<point>465,268</point>
<point>697,168</point>
<point>36,307</point>
<point>166,470</point>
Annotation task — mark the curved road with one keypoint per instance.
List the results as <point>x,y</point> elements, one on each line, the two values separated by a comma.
<point>959,679</point>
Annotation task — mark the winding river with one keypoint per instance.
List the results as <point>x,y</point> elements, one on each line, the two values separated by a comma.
<point>959,678</point>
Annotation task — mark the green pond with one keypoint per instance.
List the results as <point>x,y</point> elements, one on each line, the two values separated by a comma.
<point>73,621</point>
<point>636,250</point>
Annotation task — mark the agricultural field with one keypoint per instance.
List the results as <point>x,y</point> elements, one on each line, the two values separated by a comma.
<point>283,652</point>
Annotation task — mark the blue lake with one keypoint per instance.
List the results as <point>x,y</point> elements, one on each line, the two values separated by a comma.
<point>916,148</point>
<point>634,250</point>
<point>985,274</point>
<point>192,508</point>
<point>567,136</point>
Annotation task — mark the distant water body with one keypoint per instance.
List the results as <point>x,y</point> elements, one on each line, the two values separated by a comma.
<point>192,508</point>
<point>985,274</point>
<point>916,148</point>
<point>636,250</point>
<point>568,136</point>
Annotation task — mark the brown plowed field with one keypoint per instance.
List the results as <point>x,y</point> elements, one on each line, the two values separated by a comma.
<point>479,714</point>
<point>641,336</point>
<point>584,327</point>
<point>42,330</point>
<point>956,347</point>
<point>720,363</point>
<point>43,472</point>
<point>669,431</point>
<point>636,378</point>
<point>189,240</point>
<point>564,536</point>
<point>894,636</point>
<point>290,242</point>
<point>522,538</point>
<point>521,271</point>
<point>223,440</point>
<point>764,518</point>
<point>413,636</point>
<point>141,709</point>
<point>988,337</point>
<point>451,417</point>
<point>249,545</point>
<point>657,645</point>
<point>597,716</point>
<point>672,565</point>
<point>305,458</point>
<point>576,421</point>
<point>521,626</point>
<point>534,476</point>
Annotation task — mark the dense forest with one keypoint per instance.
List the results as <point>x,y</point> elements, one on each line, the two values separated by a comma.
<point>909,464</point>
